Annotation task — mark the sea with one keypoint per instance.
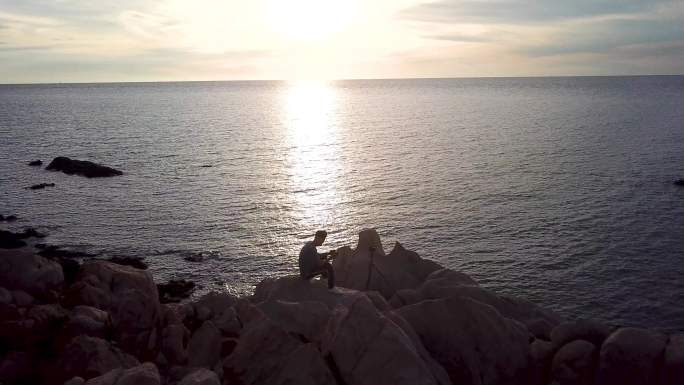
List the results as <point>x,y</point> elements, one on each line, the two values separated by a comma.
<point>558,190</point>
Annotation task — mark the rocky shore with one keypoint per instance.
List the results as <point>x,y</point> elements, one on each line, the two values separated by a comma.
<point>395,319</point>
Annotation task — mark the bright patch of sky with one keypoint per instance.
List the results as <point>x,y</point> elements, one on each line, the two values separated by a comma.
<point>136,40</point>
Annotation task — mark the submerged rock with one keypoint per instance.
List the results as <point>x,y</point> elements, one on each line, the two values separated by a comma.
<point>129,261</point>
<point>9,218</point>
<point>36,162</point>
<point>56,252</point>
<point>41,186</point>
<point>175,290</point>
<point>81,167</point>
<point>679,182</point>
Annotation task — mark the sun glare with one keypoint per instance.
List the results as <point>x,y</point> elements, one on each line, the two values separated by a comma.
<point>309,116</point>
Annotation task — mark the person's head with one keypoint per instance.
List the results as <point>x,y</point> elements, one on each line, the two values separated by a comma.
<point>319,238</point>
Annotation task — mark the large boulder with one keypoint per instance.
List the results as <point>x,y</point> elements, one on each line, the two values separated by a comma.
<point>630,357</point>
<point>575,363</point>
<point>200,376</point>
<point>368,267</point>
<point>81,167</point>
<point>267,354</point>
<point>204,349</point>
<point>174,343</point>
<point>368,348</point>
<point>89,357</point>
<point>23,270</point>
<point>89,321</point>
<point>307,319</point>
<point>293,288</point>
<point>128,294</point>
<point>145,374</point>
<point>673,367</point>
<point>541,355</point>
<point>588,330</point>
<point>539,321</point>
<point>472,341</point>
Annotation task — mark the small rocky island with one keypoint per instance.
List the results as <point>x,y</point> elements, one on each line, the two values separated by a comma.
<point>397,319</point>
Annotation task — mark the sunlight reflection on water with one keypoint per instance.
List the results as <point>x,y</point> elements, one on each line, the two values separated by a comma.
<point>309,113</point>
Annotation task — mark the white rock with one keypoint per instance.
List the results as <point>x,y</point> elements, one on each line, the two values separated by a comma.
<point>145,374</point>
<point>306,318</point>
<point>267,354</point>
<point>588,330</point>
<point>174,343</point>
<point>673,367</point>
<point>204,349</point>
<point>89,321</point>
<point>21,298</point>
<point>5,296</point>
<point>359,269</point>
<point>90,357</point>
<point>128,294</point>
<point>200,376</point>
<point>213,304</point>
<point>575,363</point>
<point>526,312</point>
<point>368,348</point>
<point>23,270</point>
<point>227,322</point>
<point>541,355</point>
<point>75,381</point>
<point>472,341</point>
<point>630,357</point>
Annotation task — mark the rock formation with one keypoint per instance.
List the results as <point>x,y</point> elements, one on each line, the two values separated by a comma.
<point>81,167</point>
<point>397,319</point>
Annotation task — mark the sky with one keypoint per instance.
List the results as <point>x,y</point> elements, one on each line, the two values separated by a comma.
<point>46,41</point>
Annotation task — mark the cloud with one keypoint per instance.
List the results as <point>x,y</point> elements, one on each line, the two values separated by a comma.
<point>524,11</point>
<point>605,36</point>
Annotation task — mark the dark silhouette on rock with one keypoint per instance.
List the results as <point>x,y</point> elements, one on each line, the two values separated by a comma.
<point>37,162</point>
<point>129,261</point>
<point>175,290</point>
<point>51,251</point>
<point>679,182</point>
<point>9,218</point>
<point>10,240</point>
<point>41,186</point>
<point>81,167</point>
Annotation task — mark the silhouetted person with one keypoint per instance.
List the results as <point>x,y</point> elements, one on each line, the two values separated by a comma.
<point>313,263</point>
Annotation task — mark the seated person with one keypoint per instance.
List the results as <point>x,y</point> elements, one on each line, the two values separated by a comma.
<point>312,263</point>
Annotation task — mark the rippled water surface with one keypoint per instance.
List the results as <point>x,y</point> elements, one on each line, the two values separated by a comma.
<point>557,189</point>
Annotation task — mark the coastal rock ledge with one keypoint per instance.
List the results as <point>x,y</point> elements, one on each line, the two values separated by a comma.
<point>81,167</point>
<point>395,319</point>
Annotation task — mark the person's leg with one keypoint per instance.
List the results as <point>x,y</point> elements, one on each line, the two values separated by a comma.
<point>330,273</point>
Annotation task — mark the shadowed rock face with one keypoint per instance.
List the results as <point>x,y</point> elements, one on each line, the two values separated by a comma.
<point>439,327</point>
<point>630,356</point>
<point>81,167</point>
<point>472,341</point>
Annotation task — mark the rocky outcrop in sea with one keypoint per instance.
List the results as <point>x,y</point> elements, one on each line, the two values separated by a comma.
<point>395,319</point>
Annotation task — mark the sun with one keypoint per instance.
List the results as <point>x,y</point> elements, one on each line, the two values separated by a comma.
<point>310,20</point>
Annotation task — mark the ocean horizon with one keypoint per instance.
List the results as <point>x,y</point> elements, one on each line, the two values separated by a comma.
<point>555,189</point>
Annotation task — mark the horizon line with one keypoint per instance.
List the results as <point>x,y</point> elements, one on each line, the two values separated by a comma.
<point>336,80</point>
